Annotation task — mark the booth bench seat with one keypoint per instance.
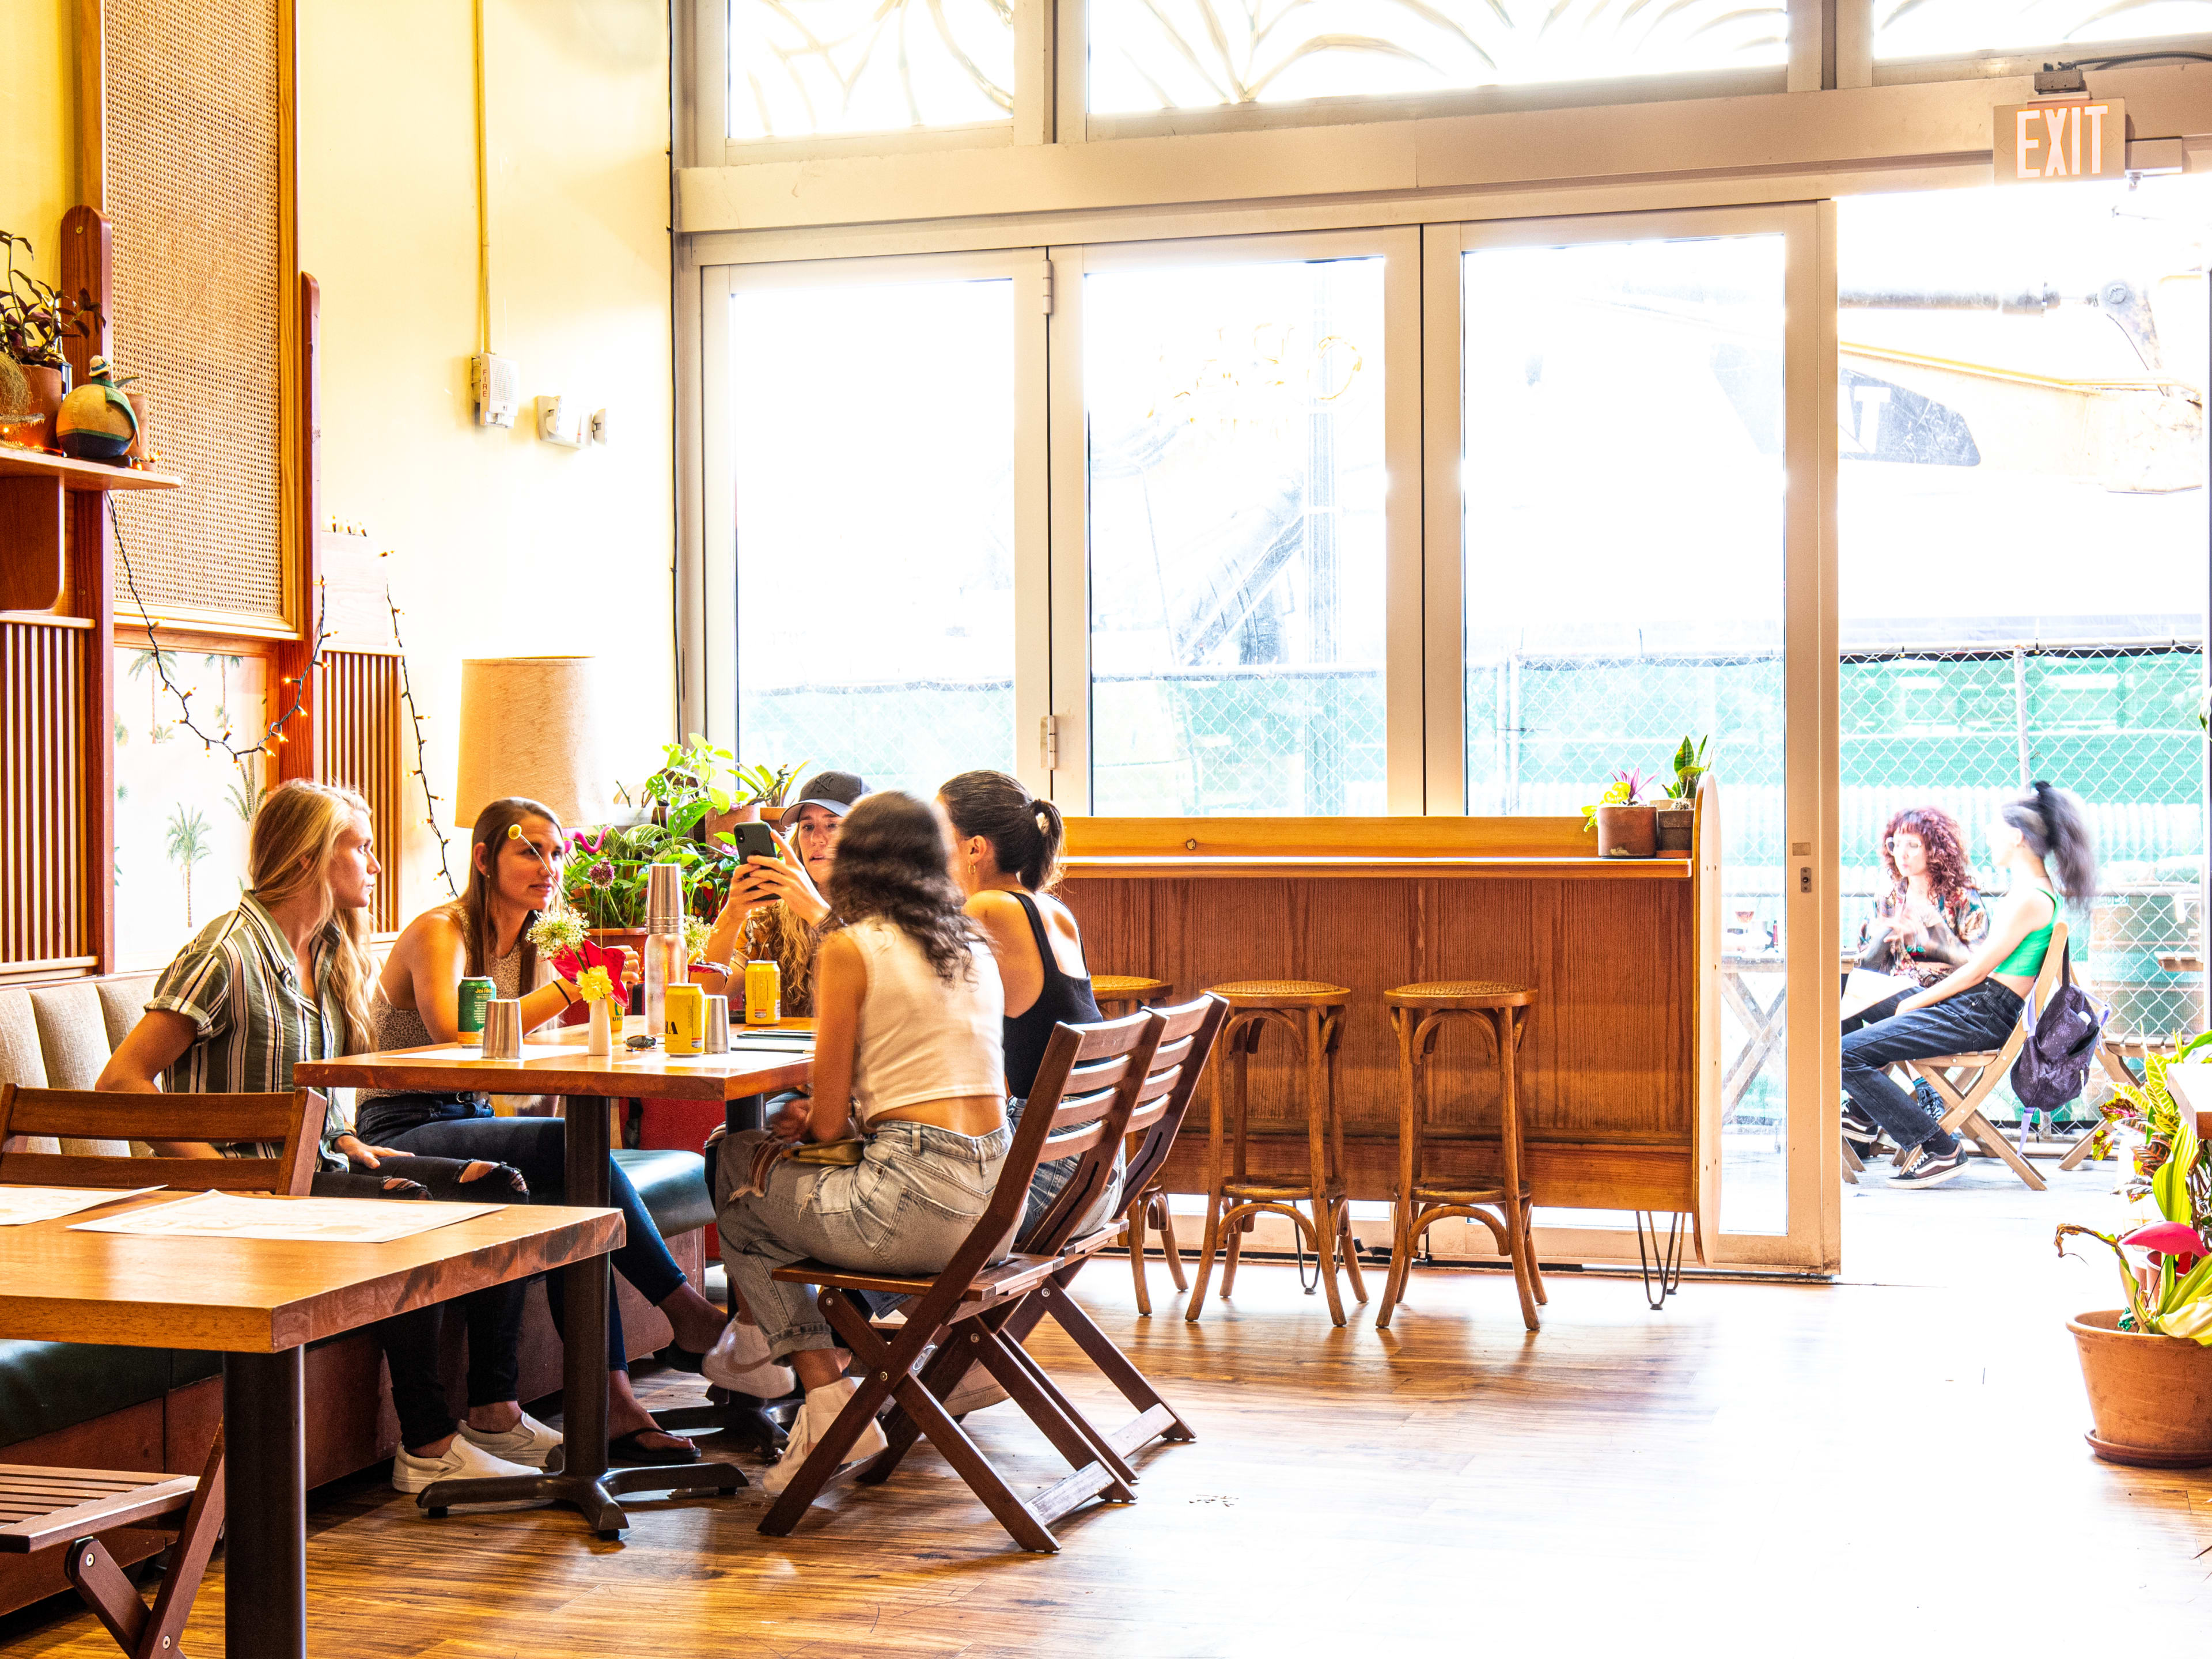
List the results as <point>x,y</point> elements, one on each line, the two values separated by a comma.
<point>81,1406</point>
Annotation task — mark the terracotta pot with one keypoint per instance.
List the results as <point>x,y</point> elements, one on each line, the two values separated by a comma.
<point>48,387</point>
<point>1676,820</point>
<point>1627,832</point>
<point>2149,1396</point>
<point>141,406</point>
<point>720,824</point>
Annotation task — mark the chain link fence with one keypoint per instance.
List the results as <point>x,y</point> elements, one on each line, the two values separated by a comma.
<point>905,734</point>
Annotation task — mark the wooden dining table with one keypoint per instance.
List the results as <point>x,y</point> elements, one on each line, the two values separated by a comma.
<point>741,1079</point>
<point>259,1303</point>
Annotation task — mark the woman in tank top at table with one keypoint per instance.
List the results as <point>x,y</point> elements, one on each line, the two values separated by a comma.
<point>1005,855</point>
<point>285,977</point>
<point>906,1053</point>
<point>485,932</point>
<point>2041,835</point>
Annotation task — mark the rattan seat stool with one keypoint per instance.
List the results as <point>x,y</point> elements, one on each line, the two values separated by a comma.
<point>1313,1014</point>
<point>1417,1014</point>
<point>1117,995</point>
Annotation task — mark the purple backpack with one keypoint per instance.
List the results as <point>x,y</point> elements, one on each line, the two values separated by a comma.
<point>2062,1040</point>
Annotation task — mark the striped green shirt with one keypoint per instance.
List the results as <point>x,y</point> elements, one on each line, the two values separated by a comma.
<point>238,984</point>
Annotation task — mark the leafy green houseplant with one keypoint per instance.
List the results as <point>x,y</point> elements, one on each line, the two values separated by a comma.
<point>34,320</point>
<point>1689,768</point>
<point>2148,1366</point>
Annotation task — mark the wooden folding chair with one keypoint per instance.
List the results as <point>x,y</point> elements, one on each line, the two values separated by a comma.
<point>1085,1091</point>
<point>1965,1082</point>
<point>1163,1098</point>
<point>41,1507</point>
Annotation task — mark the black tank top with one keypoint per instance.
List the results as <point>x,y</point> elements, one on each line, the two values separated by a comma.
<point>1066,997</point>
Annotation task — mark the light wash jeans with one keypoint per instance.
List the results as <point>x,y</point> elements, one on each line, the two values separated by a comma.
<point>910,1202</point>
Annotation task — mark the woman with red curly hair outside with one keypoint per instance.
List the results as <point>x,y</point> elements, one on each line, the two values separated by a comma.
<point>1930,922</point>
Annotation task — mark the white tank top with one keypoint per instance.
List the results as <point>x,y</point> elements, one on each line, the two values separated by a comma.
<point>921,1039</point>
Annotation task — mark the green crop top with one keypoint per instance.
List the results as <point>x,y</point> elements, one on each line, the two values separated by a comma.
<point>2026,957</point>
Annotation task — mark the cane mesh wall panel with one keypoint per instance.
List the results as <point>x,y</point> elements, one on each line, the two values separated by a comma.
<point>193,160</point>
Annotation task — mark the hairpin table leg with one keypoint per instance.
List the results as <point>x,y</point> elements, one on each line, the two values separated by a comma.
<point>1665,1264</point>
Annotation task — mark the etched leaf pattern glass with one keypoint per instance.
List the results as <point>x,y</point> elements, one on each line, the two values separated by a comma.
<point>803,68</point>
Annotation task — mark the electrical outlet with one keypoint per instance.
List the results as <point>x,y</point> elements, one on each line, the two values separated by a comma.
<point>496,385</point>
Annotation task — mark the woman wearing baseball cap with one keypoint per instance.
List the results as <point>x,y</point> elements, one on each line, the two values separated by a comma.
<point>775,905</point>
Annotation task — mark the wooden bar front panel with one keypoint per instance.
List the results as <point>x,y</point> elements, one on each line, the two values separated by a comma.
<point>1607,1071</point>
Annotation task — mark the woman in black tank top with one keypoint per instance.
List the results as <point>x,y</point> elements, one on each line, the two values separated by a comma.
<point>1006,847</point>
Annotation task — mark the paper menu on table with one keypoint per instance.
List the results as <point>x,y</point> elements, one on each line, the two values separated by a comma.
<point>304,1221</point>
<point>19,1205</point>
<point>1865,987</point>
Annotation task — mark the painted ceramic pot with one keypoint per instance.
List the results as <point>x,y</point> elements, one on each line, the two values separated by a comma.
<point>96,423</point>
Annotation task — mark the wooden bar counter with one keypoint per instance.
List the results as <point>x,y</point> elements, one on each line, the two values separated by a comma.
<point>1620,1073</point>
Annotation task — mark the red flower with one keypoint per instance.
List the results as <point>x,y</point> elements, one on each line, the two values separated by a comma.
<point>2184,1244</point>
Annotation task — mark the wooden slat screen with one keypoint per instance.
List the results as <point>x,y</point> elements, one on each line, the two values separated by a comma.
<point>46,901</point>
<point>357,736</point>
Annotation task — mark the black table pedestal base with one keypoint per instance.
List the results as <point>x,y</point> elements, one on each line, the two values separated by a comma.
<point>591,1495</point>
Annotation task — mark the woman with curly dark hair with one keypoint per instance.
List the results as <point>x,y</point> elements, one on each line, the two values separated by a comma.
<point>908,1009</point>
<point>1930,920</point>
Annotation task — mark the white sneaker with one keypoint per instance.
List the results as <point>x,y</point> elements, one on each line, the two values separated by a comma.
<point>738,1361</point>
<point>816,1413</point>
<point>460,1462</point>
<point>528,1442</point>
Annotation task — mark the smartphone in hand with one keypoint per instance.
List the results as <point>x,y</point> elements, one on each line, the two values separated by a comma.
<point>754,841</point>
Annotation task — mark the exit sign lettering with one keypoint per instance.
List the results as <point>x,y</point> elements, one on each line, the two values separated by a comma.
<point>2053,141</point>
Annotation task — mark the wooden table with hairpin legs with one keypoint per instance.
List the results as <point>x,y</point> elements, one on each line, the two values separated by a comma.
<point>742,1078</point>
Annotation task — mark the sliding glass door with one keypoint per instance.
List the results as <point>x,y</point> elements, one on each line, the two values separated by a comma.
<point>1630,408</point>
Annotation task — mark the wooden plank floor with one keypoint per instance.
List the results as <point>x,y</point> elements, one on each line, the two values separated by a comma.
<point>1760,1469</point>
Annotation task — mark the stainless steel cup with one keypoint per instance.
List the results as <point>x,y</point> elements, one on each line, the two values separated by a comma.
<point>718,1027</point>
<point>503,1032</point>
<point>664,898</point>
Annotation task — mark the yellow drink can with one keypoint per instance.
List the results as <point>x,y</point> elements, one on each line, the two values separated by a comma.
<point>687,1019</point>
<point>764,994</point>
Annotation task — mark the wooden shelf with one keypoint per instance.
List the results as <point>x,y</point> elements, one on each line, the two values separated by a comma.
<point>80,475</point>
<point>1667,867</point>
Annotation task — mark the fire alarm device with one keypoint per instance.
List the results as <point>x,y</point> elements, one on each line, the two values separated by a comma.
<point>497,387</point>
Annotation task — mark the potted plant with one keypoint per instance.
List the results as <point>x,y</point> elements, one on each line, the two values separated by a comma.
<point>2147,1366</point>
<point>1678,806</point>
<point>34,320</point>
<point>1626,820</point>
<point>701,790</point>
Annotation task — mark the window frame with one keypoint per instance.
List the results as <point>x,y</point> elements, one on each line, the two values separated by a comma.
<point>717,577</point>
<point>1399,247</point>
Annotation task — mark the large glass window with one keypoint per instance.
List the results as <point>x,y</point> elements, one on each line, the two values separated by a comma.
<point>1171,54</point>
<point>801,68</point>
<point>1624,583</point>
<point>1938,28</point>
<point>871,449</point>
<point>1235,422</point>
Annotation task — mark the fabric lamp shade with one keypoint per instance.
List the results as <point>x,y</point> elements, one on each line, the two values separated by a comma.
<point>530,726</point>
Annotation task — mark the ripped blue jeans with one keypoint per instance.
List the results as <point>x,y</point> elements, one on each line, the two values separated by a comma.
<point>910,1202</point>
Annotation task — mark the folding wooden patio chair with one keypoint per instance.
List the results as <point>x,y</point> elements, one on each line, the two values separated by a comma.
<point>42,1507</point>
<point>1085,1091</point>
<point>1965,1082</point>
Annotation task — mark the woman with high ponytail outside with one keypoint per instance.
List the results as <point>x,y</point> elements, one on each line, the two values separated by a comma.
<point>2041,840</point>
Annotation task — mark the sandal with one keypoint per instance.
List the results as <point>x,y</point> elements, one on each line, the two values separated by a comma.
<point>628,1448</point>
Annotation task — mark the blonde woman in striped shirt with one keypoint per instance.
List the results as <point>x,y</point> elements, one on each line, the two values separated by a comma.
<point>283,978</point>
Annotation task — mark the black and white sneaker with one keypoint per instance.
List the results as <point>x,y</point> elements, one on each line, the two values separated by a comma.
<point>1931,1168</point>
<point>1860,1131</point>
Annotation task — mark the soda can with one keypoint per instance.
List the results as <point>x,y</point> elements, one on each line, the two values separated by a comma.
<point>476,996</point>
<point>687,1019</point>
<point>764,994</point>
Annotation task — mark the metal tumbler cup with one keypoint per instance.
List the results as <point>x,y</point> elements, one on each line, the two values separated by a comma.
<point>718,1026</point>
<point>503,1032</point>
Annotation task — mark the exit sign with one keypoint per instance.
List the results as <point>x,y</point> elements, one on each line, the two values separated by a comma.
<point>2077,138</point>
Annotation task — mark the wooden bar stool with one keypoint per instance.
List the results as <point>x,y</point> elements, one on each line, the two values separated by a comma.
<point>1313,1014</point>
<point>1417,1013</point>
<point>1117,995</point>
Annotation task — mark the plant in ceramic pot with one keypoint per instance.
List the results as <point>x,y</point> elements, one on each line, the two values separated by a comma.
<point>1624,817</point>
<point>1678,806</point>
<point>34,320</point>
<point>2148,1366</point>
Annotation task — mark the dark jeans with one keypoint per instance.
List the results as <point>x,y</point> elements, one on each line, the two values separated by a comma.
<point>539,1147</point>
<point>1874,1013</point>
<point>411,1341</point>
<point>1972,1021</point>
